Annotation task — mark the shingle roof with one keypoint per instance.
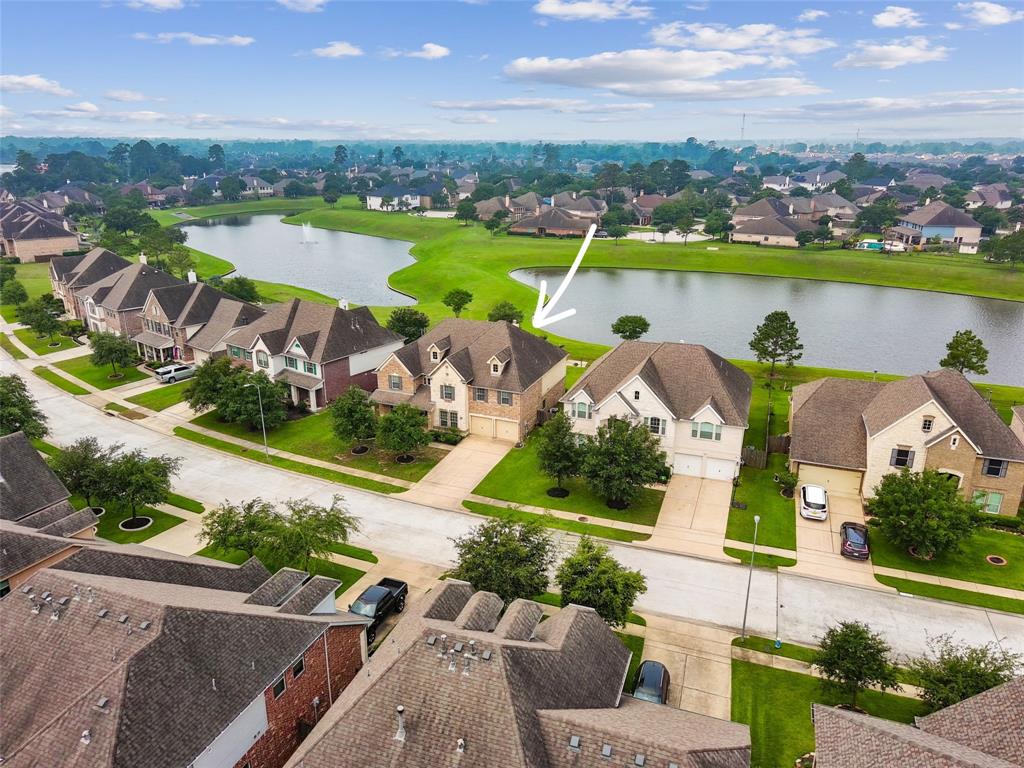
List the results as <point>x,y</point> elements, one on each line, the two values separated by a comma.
<point>766,207</point>
<point>21,548</point>
<point>128,288</point>
<point>228,314</point>
<point>991,722</point>
<point>552,218</point>
<point>686,377</point>
<point>278,587</point>
<point>828,423</point>
<point>310,595</point>
<point>27,484</point>
<point>779,227</point>
<point>80,271</point>
<point>940,214</point>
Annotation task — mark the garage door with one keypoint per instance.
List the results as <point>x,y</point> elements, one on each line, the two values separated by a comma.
<point>720,469</point>
<point>686,464</point>
<point>481,425</point>
<point>506,430</point>
<point>842,481</point>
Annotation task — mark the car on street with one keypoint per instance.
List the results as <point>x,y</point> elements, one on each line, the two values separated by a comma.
<point>378,602</point>
<point>813,502</point>
<point>172,373</point>
<point>651,682</point>
<point>601,234</point>
<point>853,538</point>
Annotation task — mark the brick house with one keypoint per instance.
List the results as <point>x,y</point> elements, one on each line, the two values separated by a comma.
<point>70,273</point>
<point>488,379</point>
<point>32,233</point>
<point>551,222</point>
<point>114,304</point>
<point>317,350</point>
<point>847,434</point>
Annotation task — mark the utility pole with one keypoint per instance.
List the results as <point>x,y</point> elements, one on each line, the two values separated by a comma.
<point>743,127</point>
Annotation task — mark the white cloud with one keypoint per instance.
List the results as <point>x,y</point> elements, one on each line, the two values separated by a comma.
<point>812,14</point>
<point>338,49</point>
<point>573,106</point>
<point>193,39</point>
<point>953,25</point>
<point>6,111</point>
<point>32,84</point>
<point>746,37</point>
<point>157,5</point>
<point>426,51</point>
<point>474,119</point>
<point>988,14</point>
<point>893,54</point>
<point>82,106</point>
<point>897,16</point>
<point>933,105</point>
<point>303,6</point>
<point>592,10</point>
<point>123,94</point>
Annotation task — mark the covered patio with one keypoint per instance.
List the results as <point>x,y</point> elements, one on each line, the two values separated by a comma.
<point>304,388</point>
<point>154,346</point>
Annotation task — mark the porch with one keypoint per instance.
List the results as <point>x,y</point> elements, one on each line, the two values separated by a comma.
<point>304,388</point>
<point>155,346</point>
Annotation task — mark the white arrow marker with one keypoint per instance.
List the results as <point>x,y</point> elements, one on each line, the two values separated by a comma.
<point>541,316</point>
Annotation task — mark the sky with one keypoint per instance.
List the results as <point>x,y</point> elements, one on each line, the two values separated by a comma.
<point>553,70</point>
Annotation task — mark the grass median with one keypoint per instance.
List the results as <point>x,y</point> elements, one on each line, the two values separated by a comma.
<point>160,398</point>
<point>57,380</point>
<point>556,523</point>
<point>952,595</point>
<point>83,369</point>
<point>11,348</point>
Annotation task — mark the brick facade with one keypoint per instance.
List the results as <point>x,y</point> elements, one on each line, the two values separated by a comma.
<point>393,367</point>
<point>964,461</point>
<point>337,378</point>
<point>42,249</point>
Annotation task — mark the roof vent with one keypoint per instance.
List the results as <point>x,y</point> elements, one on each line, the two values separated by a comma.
<point>639,760</point>
<point>606,751</point>
<point>64,600</point>
<point>574,743</point>
<point>460,745</point>
<point>145,624</point>
<point>122,619</point>
<point>86,736</point>
<point>103,613</point>
<point>400,733</point>
<point>27,589</point>
<point>431,640</point>
<point>47,596</point>
<point>487,655</point>
<point>459,647</point>
<point>102,702</point>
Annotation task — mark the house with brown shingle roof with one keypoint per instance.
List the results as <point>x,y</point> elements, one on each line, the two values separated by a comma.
<point>70,273</point>
<point>114,303</point>
<point>31,233</point>
<point>993,195</point>
<point>938,219</point>
<point>695,401</point>
<point>316,350</point>
<point>488,379</point>
<point>847,434</point>
<point>781,231</point>
<point>465,681</point>
<point>552,222</point>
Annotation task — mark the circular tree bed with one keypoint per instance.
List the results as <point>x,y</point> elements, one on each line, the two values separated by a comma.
<point>53,344</point>
<point>115,376</point>
<point>135,523</point>
<point>913,553</point>
<point>620,505</point>
<point>558,493</point>
<point>98,511</point>
<point>997,560</point>
<point>405,458</point>
<point>359,450</point>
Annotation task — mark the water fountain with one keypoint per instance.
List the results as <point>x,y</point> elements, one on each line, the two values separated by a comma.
<point>307,233</point>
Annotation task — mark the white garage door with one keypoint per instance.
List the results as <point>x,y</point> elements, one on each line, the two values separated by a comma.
<point>481,425</point>
<point>720,469</point>
<point>686,464</point>
<point>506,430</point>
<point>841,481</point>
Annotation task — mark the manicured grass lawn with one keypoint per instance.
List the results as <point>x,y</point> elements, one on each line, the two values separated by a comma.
<point>761,560</point>
<point>312,436</point>
<point>518,478</point>
<point>59,381</point>
<point>936,592</point>
<point>317,566</point>
<point>254,454</point>
<point>765,645</point>
<point>35,278</point>
<point>636,645</point>
<point>10,348</point>
<point>968,564</point>
<point>572,375</point>
<point>99,376</point>
<point>115,407</point>
<point>107,528</point>
<point>42,346</point>
<point>163,397</point>
<point>761,495</point>
<point>558,523</point>
<point>184,502</point>
<point>555,600</point>
<point>776,704</point>
<point>350,550</point>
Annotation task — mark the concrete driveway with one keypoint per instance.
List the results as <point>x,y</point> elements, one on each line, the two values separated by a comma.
<point>693,516</point>
<point>817,544</point>
<point>458,473</point>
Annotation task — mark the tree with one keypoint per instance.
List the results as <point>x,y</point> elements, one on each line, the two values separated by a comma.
<point>231,187</point>
<point>200,194</point>
<point>309,530</point>
<point>13,292</point>
<point>952,672</point>
<point>559,452</point>
<point>823,234</point>
<point>777,340</point>
<point>804,237</point>
<point>402,430</point>
<point>113,350</point>
<point>507,558</point>
<point>684,226</point>
<point>492,225</point>
<point>507,311</point>
<point>631,327</point>
<point>137,480</point>
<point>208,383</point>
<point>923,511</point>
<point>352,416</point>
<point>18,409</point>
<point>340,154</point>
<point>242,288</point>
<point>84,468</point>
<point>398,154</point>
<point>330,198</point>
<point>215,154</point>
<point>465,211</point>
<point>592,577</point>
<point>254,400</point>
<point>966,353</point>
<point>617,231</point>
<point>180,260</point>
<point>408,322</point>
<point>664,229</point>
<point>718,223</point>
<point>853,658</point>
<point>37,316</point>
<point>620,460</point>
<point>246,526</point>
<point>456,300</point>
<point>7,272</point>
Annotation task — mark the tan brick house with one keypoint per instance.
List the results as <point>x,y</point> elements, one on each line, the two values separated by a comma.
<point>488,379</point>
<point>31,233</point>
<point>114,304</point>
<point>70,273</point>
<point>847,434</point>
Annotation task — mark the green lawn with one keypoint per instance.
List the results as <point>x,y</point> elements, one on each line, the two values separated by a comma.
<point>317,566</point>
<point>36,279</point>
<point>557,523</point>
<point>108,529</point>
<point>57,380</point>
<point>761,560</point>
<point>517,478</point>
<point>42,346</point>
<point>802,653</point>
<point>555,600</point>
<point>160,398</point>
<point>115,407</point>
<point>350,550</point>
<point>636,645</point>
<point>256,454</point>
<point>760,493</point>
<point>968,564</point>
<point>936,592</point>
<point>184,502</point>
<point>312,436</point>
<point>10,348</point>
<point>776,704</point>
<point>99,376</point>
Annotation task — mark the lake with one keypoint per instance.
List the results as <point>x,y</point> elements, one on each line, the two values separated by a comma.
<point>842,325</point>
<point>338,264</point>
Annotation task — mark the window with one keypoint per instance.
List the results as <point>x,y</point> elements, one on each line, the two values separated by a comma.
<point>954,441</point>
<point>394,382</point>
<point>926,423</point>
<point>448,418</point>
<point>5,587</point>
<point>433,354</point>
<point>705,430</point>
<point>582,410</point>
<point>505,398</point>
<point>262,360</point>
<point>988,501</point>
<point>309,367</point>
<point>994,467</point>
<point>447,392</point>
<point>279,687</point>
<point>495,368</point>
<point>235,351</point>
<point>298,668</point>
<point>901,457</point>
<point>656,425</point>
<point>480,394</point>
<point>636,394</point>
<point>291,362</point>
<point>247,355</point>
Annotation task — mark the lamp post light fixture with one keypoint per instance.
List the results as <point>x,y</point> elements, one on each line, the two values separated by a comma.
<point>750,576</point>
<point>263,423</point>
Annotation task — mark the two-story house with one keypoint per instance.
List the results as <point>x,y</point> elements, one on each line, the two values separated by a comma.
<point>114,304</point>
<point>847,435</point>
<point>488,379</point>
<point>70,273</point>
<point>317,350</point>
<point>694,401</point>
<point>938,219</point>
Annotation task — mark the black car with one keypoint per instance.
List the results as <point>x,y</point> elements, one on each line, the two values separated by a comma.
<point>380,601</point>
<point>854,541</point>
<point>651,682</point>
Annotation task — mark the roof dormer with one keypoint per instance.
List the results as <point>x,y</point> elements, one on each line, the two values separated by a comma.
<point>439,349</point>
<point>497,362</point>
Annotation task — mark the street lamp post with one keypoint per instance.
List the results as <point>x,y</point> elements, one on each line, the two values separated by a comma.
<point>263,423</point>
<point>750,576</point>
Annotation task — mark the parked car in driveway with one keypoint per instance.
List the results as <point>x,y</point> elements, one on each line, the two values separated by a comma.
<point>378,602</point>
<point>853,539</point>
<point>813,502</point>
<point>172,373</point>
<point>651,682</point>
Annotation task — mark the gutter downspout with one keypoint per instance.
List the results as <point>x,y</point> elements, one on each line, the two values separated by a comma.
<point>327,658</point>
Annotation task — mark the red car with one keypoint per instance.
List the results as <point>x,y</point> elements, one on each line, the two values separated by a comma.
<point>853,539</point>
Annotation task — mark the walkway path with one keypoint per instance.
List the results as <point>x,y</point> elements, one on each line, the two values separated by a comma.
<point>942,581</point>
<point>622,525</point>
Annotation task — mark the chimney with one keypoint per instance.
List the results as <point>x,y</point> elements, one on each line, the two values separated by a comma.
<point>192,276</point>
<point>342,303</point>
<point>400,734</point>
<point>143,258</point>
<point>790,209</point>
<point>508,200</point>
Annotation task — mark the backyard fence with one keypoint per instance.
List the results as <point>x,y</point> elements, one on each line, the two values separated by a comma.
<point>778,444</point>
<point>754,457</point>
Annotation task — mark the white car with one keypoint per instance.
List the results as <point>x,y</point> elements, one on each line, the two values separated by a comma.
<point>813,502</point>
<point>172,373</point>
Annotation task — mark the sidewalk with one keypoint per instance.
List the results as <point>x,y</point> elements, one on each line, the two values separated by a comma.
<point>942,581</point>
<point>575,516</point>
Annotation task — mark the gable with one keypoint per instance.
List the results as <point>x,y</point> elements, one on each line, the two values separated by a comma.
<point>648,401</point>
<point>708,413</point>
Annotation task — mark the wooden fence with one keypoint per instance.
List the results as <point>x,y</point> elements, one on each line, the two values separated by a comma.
<point>778,444</point>
<point>754,457</point>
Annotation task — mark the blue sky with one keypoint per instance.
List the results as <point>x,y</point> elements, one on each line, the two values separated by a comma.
<point>499,69</point>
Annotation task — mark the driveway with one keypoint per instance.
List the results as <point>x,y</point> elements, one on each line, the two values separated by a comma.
<point>693,517</point>
<point>458,473</point>
<point>817,544</point>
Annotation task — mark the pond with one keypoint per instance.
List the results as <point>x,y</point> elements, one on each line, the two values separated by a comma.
<point>338,264</point>
<point>842,325</point>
